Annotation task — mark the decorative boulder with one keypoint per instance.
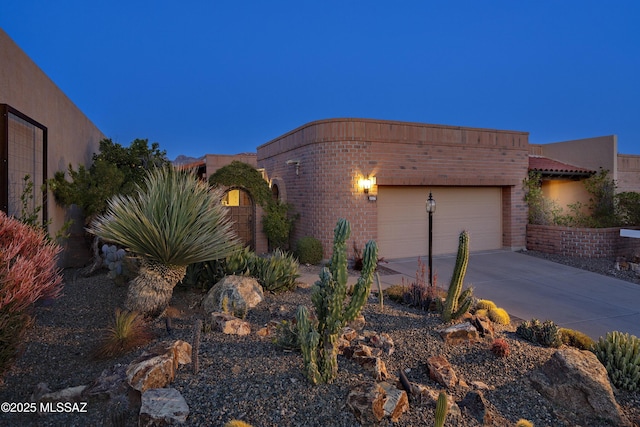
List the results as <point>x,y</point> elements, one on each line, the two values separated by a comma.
<point>441,371</point>
<point>461,333</point>
<point>577,383</point>
<point>241,294</point>
<point>227,324</point>
<point>370,403</point>
<point>162,407</point>
<point>153,370</point>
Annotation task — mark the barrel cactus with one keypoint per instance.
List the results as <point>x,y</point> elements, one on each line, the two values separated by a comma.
<point>458,302</point>
<point>113,260</point>
<point>319,337</point>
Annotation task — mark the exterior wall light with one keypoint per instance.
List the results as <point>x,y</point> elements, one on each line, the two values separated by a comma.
<point>366,185</point>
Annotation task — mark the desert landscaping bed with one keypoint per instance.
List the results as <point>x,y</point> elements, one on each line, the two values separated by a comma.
<point>250,378</point>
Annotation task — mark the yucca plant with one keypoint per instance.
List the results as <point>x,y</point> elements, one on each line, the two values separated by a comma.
<point>172,220</point>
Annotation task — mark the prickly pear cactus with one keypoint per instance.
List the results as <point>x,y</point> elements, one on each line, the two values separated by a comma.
<point>319,338</point>
<point>458,302</point>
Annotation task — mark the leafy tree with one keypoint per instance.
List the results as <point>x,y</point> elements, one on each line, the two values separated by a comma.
<point>171,220</point>
<point>115,170</point>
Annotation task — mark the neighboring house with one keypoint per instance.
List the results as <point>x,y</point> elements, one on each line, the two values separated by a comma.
<point>41,132</point>
<point>378,174</point>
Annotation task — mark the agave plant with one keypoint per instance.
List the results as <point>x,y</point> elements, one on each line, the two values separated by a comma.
<point>172,220</point>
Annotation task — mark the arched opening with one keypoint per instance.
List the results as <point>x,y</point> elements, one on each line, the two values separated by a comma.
<point>242,214</point>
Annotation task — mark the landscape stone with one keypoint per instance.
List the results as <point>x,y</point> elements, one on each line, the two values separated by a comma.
<point>371,402</point>
<point>396,401</point>
<point>441,371</point>
<point>460,333</point>
<point>230,325</point>
<point>476,406</point>
<point>577,383</point>
<point>162,407</point>
<point>242,293</point>
<point>153,370</point>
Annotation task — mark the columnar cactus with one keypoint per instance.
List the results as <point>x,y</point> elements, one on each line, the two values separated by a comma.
<point>620,354</point>
<point>441,409</point>
<point>195,348</point>
<point>457,302</point>
<point>319,337</point>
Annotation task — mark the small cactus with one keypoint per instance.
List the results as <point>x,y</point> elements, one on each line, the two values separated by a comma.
<point>458,302</point>
<point>442,409</point>
<point>485,304</point>
<point>524,423</point>
<point>113,260</point>
<point>500,347</point>
<point>499,316</point>
<point>546,333</point>
<point>237,423</point>
<point>620,354</point>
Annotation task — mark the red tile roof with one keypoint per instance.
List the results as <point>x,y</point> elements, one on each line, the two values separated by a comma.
<point>547,166</point>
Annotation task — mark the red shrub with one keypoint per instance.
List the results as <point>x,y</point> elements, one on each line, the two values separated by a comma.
<point>28,273</point>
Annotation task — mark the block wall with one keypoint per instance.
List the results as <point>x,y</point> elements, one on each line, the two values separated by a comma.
<point>580,242</point>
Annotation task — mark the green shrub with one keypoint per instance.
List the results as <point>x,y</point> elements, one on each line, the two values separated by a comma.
<point>620,354</point>
<point>276,272</point>
<point>546,334</point>
<point>309,250</point>
<point>395,293</point>
<point>576,339</point>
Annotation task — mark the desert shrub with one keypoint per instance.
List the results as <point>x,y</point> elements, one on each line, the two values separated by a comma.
<point>395,293</point>
<point>499,315</point>
<point>309,250</point>
<point>276,272</point>
<point>620,354</point>
<point>500,347</point>
<point>286,335</point>
<point>277,224</point>
<point>576,339</point>
<point>28,273</point>
<point>546,334</point>
<point>128,331</point>
<point>419,293</point>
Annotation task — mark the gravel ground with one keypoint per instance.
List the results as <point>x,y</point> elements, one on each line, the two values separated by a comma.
<point>252,379</point>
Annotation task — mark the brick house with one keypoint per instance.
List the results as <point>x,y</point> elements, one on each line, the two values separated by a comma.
<point>378,174</point>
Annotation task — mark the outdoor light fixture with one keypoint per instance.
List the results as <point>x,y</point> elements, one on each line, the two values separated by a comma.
<point>294,162</point>
<point>431,208</point>
<point>366,184</point>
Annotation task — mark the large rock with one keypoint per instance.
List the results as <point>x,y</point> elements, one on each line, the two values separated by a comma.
<point>162,407</point>
<point>440,370</point>
<point>370,403</point>
<point>460,333</point>
<point>476,406</point>
<point>153,370</point>
<point>577,383</point>
<point>241,294</point>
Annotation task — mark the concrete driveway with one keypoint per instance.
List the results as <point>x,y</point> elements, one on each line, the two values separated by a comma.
<point>529,287</point>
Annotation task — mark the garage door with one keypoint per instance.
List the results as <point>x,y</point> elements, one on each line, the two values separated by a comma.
<point>403,220</point>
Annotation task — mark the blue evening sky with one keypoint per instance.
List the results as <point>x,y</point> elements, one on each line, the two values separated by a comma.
<point>226,76</point>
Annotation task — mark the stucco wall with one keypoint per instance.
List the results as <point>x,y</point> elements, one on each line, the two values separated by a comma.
<point>72,137</point>
<point>589,153</point>
<point>334,154</point>
<point>628,172</point>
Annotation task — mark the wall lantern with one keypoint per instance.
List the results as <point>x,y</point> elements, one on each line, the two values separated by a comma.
<point>366,184</point>
<point>296,163</point>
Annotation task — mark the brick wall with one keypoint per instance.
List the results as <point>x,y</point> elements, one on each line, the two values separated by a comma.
<point>580,242</point>
<point>333,154</point>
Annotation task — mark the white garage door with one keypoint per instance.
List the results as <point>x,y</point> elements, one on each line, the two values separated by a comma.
<point>403,221</point>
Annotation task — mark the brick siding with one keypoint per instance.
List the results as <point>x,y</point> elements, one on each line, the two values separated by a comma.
<point>580,242</point>
<point>333,154</point>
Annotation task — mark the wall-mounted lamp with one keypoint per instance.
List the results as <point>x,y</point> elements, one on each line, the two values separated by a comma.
<point>366,184</point>
<point>294,162</point>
